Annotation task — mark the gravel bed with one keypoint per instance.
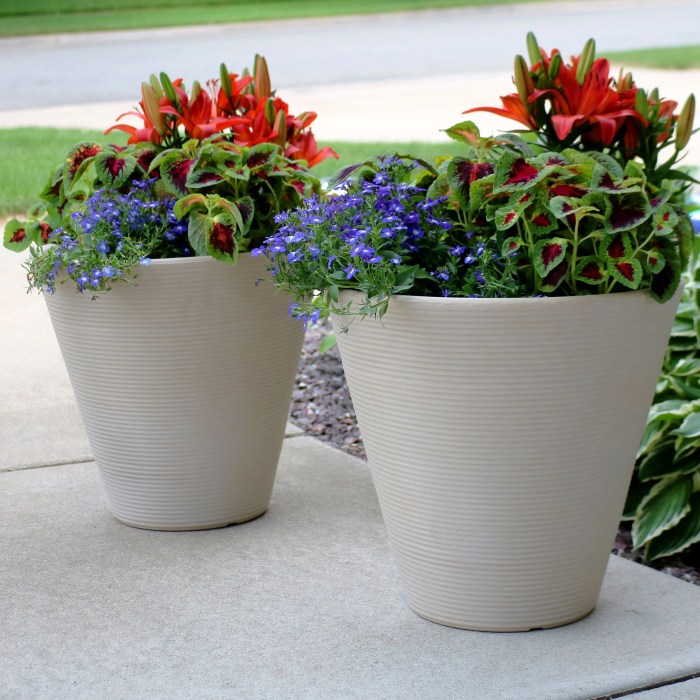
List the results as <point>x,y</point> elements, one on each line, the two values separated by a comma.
<point>322,408</point>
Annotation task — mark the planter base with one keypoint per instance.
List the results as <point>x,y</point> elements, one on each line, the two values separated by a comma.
<point>187,528</point>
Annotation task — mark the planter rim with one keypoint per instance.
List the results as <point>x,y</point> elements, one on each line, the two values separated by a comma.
<point>513,301</point>
<point>195,259</point>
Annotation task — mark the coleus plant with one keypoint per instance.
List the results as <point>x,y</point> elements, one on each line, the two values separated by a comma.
<point>576,222</point>
<point>580,105</point>
<point>231,154</point>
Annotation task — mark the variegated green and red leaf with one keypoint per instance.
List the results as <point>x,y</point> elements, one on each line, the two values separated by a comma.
<point>188,204</point>
<point>627,272</point>
<point>513,172</point>
<point>16,237</point>
<point>79,157</point>
<point>114,169</point>
<point>511,245</point>
<point>626,211</point>
<point>665,283</point>
<point>221,239</point>
<point>174,170</point>
<point>655,261</point>
<point>548,253</point>
<point>466,132</point>
<point>618,247</point>
<point>555,277</point>
<point>591,271</point>
<point>200,178</point>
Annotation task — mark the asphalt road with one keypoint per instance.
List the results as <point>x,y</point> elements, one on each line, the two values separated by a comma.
<point>45,71</point>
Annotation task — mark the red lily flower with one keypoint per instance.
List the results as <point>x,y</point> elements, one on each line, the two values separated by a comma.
<point>306,148</point>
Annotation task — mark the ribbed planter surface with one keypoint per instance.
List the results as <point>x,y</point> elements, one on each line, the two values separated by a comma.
<point>184,382</point>
<point>501,435</point>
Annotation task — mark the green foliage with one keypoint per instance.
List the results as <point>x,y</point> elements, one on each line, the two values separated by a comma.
<point>664,497</point>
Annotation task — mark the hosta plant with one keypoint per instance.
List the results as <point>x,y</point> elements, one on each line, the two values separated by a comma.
<point>664,498</point>
<point>224,160</point>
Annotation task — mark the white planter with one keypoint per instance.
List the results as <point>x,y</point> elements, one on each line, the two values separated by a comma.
<point>183,382</point>
<point>501,435</point>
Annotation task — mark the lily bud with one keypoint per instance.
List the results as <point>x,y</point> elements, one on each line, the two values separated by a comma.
<point>196,89</point>
<point>248,89</point>
<point>684,127</point>
<point>654,96</point>
<point>280,127</point>
<point>641,103</point>
<point>155,84</point>
<point>169,89</point>
<point>554,66</point>
<point>262,78</point>
<point>625,82</point>
<point>523,81</point>
<point>151,108</point>
<point>270,112</point>
<point>533,49</point>
<point>585,62</point>
<point>225,81</point>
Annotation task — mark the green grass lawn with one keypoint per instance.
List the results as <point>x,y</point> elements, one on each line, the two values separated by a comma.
<point>50,16</point>
<point>30,154</point>
<point>671,58</point>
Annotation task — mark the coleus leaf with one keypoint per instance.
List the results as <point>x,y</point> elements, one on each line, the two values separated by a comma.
<point>680,536</point>
<point>664,220</point>
<point>603,181</point>
<point>655,262</point>
<point>514,172</point>
<point>187,204</point>
<point>590,270</point>
<point>77,160</point>
<point>506,217</point>
<point>16,236</point>
<point>569,208</point>
<point>608,162</point>
<point>113,168</point>
<point>627,211</point>
<point>246,208</point>
<point>198,232</point>
<point>626,272</point>
<point>540,220</point>
<point>261,157</point>
<point>548,253</point>
<point>555,277</point>
<point>199,178</point>
<point>665,506</point>
<point>439,188</point>
<point>344,173</point>
<point>479,191</point>
<point>685,233</point>
<point>461,173</point>
<point>174,170</point>
<point>51,192</point>
<point>39,232</point>
<point>221,238</point>
<point>618,247</point>
<point>466,132</point>
<point>511,245</point>
<point>665,283</point>
<point>145,154</point>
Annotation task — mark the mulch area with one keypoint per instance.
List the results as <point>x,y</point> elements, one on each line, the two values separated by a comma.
<point>322,408</point>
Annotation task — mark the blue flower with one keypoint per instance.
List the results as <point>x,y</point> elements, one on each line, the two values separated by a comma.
<point>350,272</point>
<point>294,256</point>
<point>102,247</point>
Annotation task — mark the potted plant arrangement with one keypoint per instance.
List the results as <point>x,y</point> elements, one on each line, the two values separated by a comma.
<point>182,367</point>
<point>502,318</point>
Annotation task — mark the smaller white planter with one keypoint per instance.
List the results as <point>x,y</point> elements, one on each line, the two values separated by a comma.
<point>501,435</point>
<point>183,382</point>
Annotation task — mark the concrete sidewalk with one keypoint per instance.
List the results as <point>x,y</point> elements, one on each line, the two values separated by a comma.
<point>305,601</point>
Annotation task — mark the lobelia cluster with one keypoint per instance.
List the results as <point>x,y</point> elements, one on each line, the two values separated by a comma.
<point>382,235</point>
<point>108,238</point>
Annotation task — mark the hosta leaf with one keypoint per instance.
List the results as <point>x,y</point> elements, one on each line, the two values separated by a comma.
<point>627,272</point>
<point>185,205</point>
<point>221,238</point>
<point>76,161</point>
<point>679,537</point>
<point>198,232</point>
<point>114,169</point>
<point>666,505</point>
<point>466,131</point>
<point>654,433</point>
<point>686,367</point>
<point>548,253</point>
<point>174,170</point>
<point>690,427</point>
<point>636,493</point>
<point>658,463</point>
<point>590,270</point>
<point>16,236</point>
<point>671,409</point>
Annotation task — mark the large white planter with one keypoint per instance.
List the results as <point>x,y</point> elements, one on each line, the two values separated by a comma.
<point>183,382</point>
<point>501,435</point>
